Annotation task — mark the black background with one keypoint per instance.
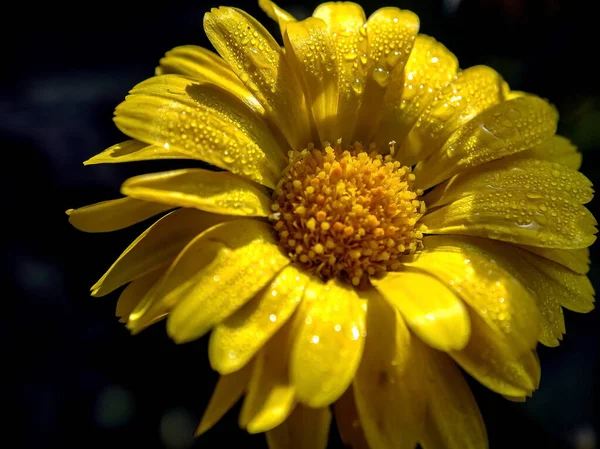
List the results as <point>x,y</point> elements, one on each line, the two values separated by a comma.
<point>74,377</point>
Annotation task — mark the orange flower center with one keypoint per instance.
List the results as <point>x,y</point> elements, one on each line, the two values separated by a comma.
<point>347,213</point>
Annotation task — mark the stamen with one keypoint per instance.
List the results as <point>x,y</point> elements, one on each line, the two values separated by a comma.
<point>347,213</point>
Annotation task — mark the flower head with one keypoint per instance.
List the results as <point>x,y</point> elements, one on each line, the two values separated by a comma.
<point>381,217</point>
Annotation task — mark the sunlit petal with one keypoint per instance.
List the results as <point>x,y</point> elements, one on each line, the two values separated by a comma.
<point>134,151</point>
<point>218,192</point>
<point>205,122</point>
<point>234,341</point>
<point>216,274</point>
<point>507,128</point>
<point>329,342</point>
<point>498,364</point>
<point>490,289</point>
<point>113,215</point>
<point>155,247</point>
<point>261,65</point>
<point>430,67</point>
<point>206,66</point>
<point>474,90</point>
<point>430,308</point>
<point>270,397</point>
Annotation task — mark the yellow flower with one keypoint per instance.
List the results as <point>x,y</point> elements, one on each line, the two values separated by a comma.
<point>382,216</point>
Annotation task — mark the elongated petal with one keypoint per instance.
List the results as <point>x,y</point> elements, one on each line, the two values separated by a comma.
<point>133,294</point>
<point>234,341</point>
<point>577,260</point>
<point>496,363</point>
<point>155,247</point>
<point>113,215</point>
<point>507,128</point>
<point>542,290</point>
<point>552,283</point>
<point>203,121</point>
<point>348,422</point>
<point>345,22</point>
<point>429,308</point>
<point>306,428</point>
<point>312,52</point>
<point>259,62</point>
<point>548,282</point>
<point>388,385</point>
<point>228,391</point>
<point>281,16</point>
<point>533,176</point>
<point>490,290</point>
<point>556,149</point>
<point>204,65</point>
<point>430,67</point>
<point>134,151</point>
<point>473,91</point>
<point>329,342</point>
<point>218,192</point>
<point>270,397</point>
<point>517,216</point>
<point>391,34</point>
<point>453,418</point>
<point>204,290</point>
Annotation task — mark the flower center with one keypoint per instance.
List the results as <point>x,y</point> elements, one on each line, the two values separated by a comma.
<point>347,213</point>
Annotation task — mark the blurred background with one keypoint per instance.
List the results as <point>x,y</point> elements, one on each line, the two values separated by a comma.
<point>76,378</point>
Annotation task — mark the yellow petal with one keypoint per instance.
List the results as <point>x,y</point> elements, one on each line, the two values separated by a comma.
<point>155,247</point>
<point>141,316</point>
<point>279,15</point>
<point>257,59</point>
<point>228,391</point>
<point>391,34</point>
<point>553,283</point>
<point>388,387</point>
<point>234,341</point>
<point>453,418</point>
<point>133,294</point>
<point>244,259</point>
<point>329,342</point>
<point>507,128</point>
<point>496,363</point>
<point>429,68</point>
<point>204,65</point>
<point>515,398</point>
<point>556,149</point>
<point>348,422</point>
<point>218,192</point>
<point>532,176</point>
<point>270,397</point>
<point>112,215</point>
<point>577,260</point>
<point>203,121</point>
<point>133,151</point>
<point>549,283</point>
<point>429,308</point>
<point>517,216</point>
<point>345,22</point>
<point>490,290</point>
<point>473,91</point>
<point>306,428</point>
<point>311,51</point>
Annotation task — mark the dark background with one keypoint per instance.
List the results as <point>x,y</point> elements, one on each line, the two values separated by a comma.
<point>76,378</point>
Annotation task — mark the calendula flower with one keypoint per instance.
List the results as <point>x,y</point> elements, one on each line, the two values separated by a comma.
<point>382,217</point>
